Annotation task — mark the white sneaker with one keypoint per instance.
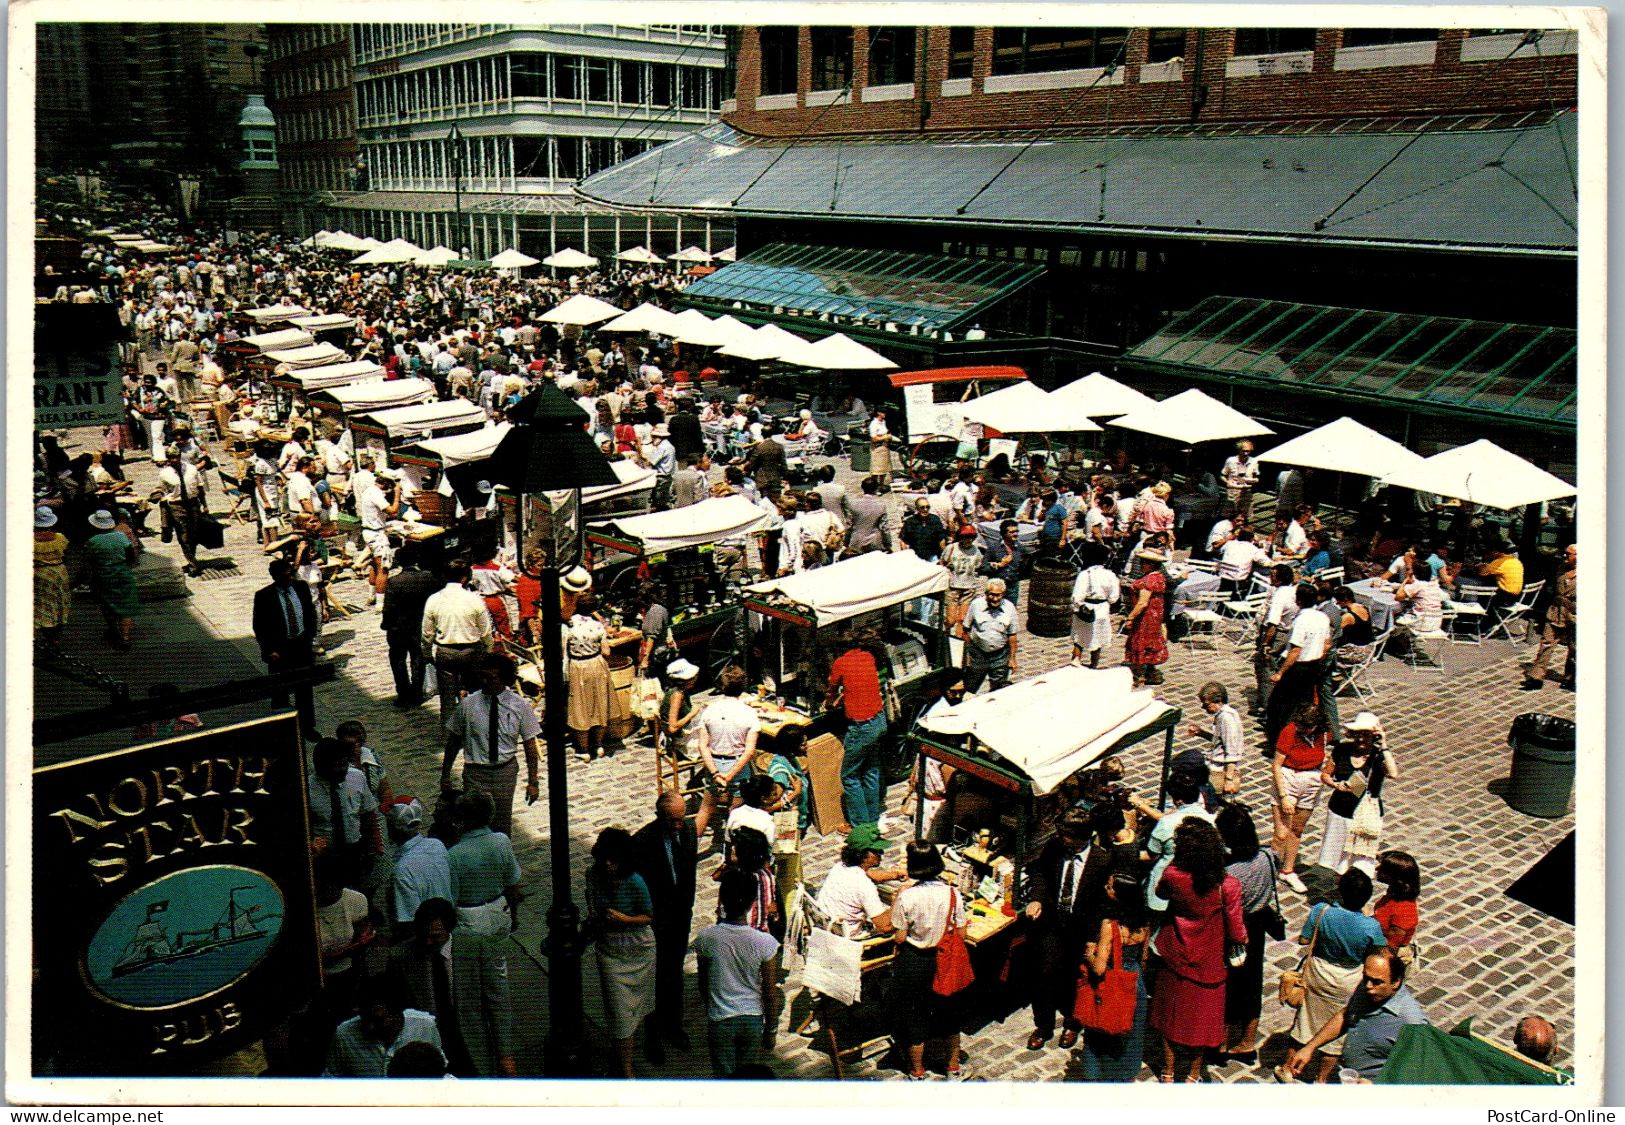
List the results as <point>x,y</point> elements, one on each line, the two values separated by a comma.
<point>1290,878</point>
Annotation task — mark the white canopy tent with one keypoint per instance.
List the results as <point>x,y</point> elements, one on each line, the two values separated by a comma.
<point>1101,396</point>
<point>321,322</point>
<point>581,310</point>
<point>423,419</point>
<point>1026,408</point>
<point>396,250</point>
<point>1191,417</point>
<point>857,585</point>
<point>690,254</point>
<point>511,259</point>
<point>634,478</point>
<point>335,375</point>
<point>757,346</point>
<point>457,449</point>
<point>436,256</point>
<point>1345,446</point>
<point>728,255</point>
<point>568,258</point>
<point>733,327</point>
<point>782,339</point>
<point>644,318</point>
<point>340,240</point>
<point>838,352</point>
<point>316,355</point>
<point>1483,473</point>
<point>1052,725</point>
<point>317,240</point>
<point>270,314</point>
<point>691,326</point>
<point>709,521</point>
<point>281,339</point>
<point>640,254</point>
<point>365,398</point>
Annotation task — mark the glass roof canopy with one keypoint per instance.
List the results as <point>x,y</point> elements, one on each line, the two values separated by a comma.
<point>931,291</point>
<point>1510,373</point>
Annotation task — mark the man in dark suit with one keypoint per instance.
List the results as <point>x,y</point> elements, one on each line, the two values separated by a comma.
<point>285,625</point>
<point>686,437</point>
<point>404,595</point>
<point>665,857</point>
<point>463,983</point>
<point>1067,885</point>
<point>766,463</point>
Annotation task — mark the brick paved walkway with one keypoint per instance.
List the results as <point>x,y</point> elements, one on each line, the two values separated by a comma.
<point>1487,956</point>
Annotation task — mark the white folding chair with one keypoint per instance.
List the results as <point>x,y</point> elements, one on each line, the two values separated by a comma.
<point>1517,612</point>
<point>1354,675</point>
<point>1328,574</point>
<point>1202,613</point>
<point>1424,633</point>
<point>1470,605</point>
<point>1245,614</point>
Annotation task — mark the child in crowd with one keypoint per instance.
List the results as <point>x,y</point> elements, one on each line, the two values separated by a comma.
<point>1395,911</point>
<point>1226,744</point>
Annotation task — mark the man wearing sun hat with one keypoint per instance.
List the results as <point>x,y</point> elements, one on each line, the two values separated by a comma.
<point>661,456</point>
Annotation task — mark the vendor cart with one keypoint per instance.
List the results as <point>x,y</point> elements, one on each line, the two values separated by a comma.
<point>389,429</point>
<point>353,399</point>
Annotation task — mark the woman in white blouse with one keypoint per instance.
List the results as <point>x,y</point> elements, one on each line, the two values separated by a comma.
<point>591,689</point>
<point>923,911</point>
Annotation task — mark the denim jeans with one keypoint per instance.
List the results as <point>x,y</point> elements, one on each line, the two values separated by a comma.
<point>860,770</point>
<point>734,1042</point>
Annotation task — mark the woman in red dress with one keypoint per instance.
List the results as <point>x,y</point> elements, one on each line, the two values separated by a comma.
<point>1204,914</point>
<point>1147,645</point>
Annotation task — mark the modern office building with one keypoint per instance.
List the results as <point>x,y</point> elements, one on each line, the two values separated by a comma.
<point>1315,221</point>
<point>310,88</point>
<point>472,135</point>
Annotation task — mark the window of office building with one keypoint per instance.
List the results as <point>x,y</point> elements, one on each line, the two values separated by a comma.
<point>596,74</point>
<point>567,158</point>
<point>831,58</point>
<point>778,49</point>
<point>662,83</point>
<point>600,154</point>
<point>695,95</point>
<point>961,51</point>
<point>1031,50</point>
<point>634,84</point>
<point>566,78</point>
<point>1274,40</point>
<point>1382,36</point>
<point>891,56</point>
<point>731,37</point>
<point>1165,43</point>
<point>528,76</point>
<point>530,158</point>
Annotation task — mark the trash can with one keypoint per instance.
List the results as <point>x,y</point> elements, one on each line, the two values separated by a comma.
<point>857,438</point>
<point>1542,765</point>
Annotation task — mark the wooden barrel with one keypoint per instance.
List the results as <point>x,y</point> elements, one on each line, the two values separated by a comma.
<point>622,671</point>
<point>1049,605</point>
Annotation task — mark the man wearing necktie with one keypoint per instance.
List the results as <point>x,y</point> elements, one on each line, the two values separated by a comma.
<point>665,856</point>
<point>489,727</point>
<point>465,986</point>
<point>1066,893</point>
<point>285,626</point>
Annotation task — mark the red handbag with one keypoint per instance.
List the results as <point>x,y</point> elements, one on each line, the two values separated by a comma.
<point>954,973</point>
<point>1108,1005</point>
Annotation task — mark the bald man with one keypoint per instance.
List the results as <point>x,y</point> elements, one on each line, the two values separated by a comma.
<point>1535,1039</point>
<point>665,857</point>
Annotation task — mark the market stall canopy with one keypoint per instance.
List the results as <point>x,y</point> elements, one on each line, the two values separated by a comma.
<point>568,258</point>
<point>364,398</point>
<point>733,327</point>
<point>1482,473</point>
<point>281,339</point>
<point>323,321</point>
<point>396,250</point>
<point>640,254</point>
<point>511,259</point>
<point>857,585</point>
<point>954,375</point>
<point>728,255</point>
<point>633,478</point>
<point>690,254</point>
<point>270,314</point>
<point>147,246</point>
<point>1425,1055</point>
<point>693,327</point>
<point>424,418</point>
<point>1191,417</point>
<point>838,352</point>
<point>644,318</point>
<point>458,449</point>
<point>1026,408</point>
<point>1101,396</point>
<point>709,521</point>
<point>1052,725</point>
<point>316,355</point>
<point>336,375</point>
<point>340,240</point>
<point>1346,446</point>
<point>318,239</point>
<point>580,310</point>
<point>436,256</point>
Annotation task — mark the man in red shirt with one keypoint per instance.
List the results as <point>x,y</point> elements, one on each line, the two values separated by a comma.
<point>854,683</point>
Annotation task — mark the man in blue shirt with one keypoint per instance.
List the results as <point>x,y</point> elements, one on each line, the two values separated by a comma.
<point>1052,537</point>
<point>1379,1010</point>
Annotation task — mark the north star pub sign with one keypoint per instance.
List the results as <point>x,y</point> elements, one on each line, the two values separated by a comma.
<point>173,903</point>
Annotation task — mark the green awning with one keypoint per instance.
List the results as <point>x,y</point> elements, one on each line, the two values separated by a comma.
<point>1488,370</point>
<point>878,288</point>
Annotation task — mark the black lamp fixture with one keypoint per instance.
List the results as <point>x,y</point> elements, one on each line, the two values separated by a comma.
<point>548,451</point>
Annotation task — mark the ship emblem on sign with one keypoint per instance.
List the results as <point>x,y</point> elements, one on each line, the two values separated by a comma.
<point>184,937</point>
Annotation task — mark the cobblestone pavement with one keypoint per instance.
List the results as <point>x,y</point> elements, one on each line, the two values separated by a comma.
<point>1486,956</point>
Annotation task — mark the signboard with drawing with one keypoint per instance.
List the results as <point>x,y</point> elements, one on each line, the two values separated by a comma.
<point>76,369</point>
<point>928,418</point>
<point>173,906</point>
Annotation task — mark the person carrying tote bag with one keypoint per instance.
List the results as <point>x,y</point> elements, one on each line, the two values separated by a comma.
<point>930,936</point>
<point>1110,1048</point>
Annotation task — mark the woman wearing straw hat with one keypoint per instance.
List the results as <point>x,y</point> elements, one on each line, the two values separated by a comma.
<point>53,592</point>
<point>110,560</point>
<point>1146,645</point>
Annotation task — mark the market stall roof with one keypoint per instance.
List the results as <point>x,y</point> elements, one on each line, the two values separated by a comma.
<point>837,352</point>
<point>315,355</point>
<point>364,398</point>
<point>1345,446</point>
<point>337,375</point>
<point>640,254</point>
<point>581,310</point>
<point>323,321</point>
<point>511,259</point>
<point>691,326</point>
<point>1491,371</point>
<point>857,585</point>
<point>709,521</point>
<point>907,292</point>
<point>1054,724</point>
<point>395,250</point>
<point>569,258</point>
<point>423,418</point>
<point>1191,417</point>
<point>644,318</point>
<point>1101,396</point>
<point>1026,408</point>
<point>457,449</point>
<point>281,339</point>
<point>954,375</point>
<point>273,313</point>
<point>1482,473</point>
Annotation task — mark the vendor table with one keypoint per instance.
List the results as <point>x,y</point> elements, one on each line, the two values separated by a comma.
<point>775,718</point>
<point>1382,603</point>
<point>989,538</point>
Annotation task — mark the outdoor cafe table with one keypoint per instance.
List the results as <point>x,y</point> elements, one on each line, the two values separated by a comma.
<point>1383,605</point>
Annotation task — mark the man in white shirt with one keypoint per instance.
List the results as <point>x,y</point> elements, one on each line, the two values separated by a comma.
<point>183,501</point>
<point>1240,478</point>
<point>1236,561</point>
<point>301,491</point>
<point>738,977</point>
<point>493,766</point>
<point>456,632</point>
<point>1301,671</point>
<point>848,895</point>
<point>1220,534</point>
<point>377,506</point>
<point>1279,613</point>
<point>362,1045</point>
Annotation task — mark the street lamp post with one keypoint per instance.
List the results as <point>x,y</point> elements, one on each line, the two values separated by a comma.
<point>455,139</point>
<point>548,451</point>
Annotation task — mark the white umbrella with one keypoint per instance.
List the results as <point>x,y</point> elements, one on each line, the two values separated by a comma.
<point>754,346</point>
<point>580,309</point>
<point>1026,408</point>
<point>511,259</point>
<point>691,254</point>
<point>1345,446</point>
<point>315,240</point>
<point>735,328</point>
<point>438,256</point>
<point>397,250</point>
<point>691,326</point>
<point>1482,473</point>
<point>838,353</point>
<point>567,259</point>
<point>640,254</point>
<point>1101,396</point>
<point>728,255</point>
<point>1191,417</point>
<point>644,318</point>
<point>784,340</point>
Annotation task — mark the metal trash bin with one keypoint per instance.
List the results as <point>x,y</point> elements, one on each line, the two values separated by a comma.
<point>857,437</point>
<point>1542,765</point>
